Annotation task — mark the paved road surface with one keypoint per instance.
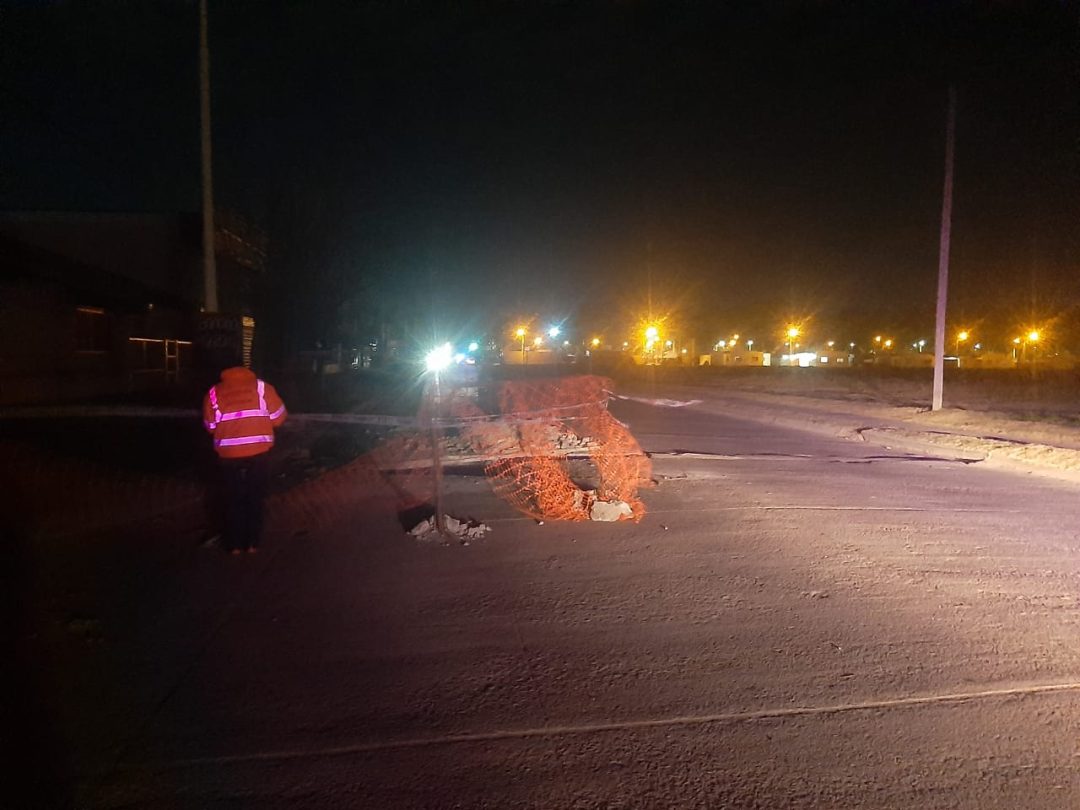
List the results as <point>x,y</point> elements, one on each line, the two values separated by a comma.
<point>799,622</point>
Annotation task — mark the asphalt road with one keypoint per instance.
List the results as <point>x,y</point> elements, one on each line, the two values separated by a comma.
<point>798,622</point>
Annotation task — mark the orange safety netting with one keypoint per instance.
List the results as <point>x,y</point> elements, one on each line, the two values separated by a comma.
<point>540,417</point>
<point>542,430</point>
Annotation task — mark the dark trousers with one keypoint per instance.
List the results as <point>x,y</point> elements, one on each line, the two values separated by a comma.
<point>245,481</point>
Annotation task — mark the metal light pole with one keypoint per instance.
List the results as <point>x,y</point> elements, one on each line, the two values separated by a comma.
<point>943,253</point>
<point>436,460</point>
<point>210,297</point>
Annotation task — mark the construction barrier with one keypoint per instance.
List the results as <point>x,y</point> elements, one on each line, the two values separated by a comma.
<point>539,433</point>
<point>537,415</point>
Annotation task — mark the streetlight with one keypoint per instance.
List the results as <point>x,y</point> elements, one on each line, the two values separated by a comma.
<point>652,334</point>
<point>436,360</point>
<point>961,337</point>
<point>521,336</point>
<point>888,343</point>
<point>792,333</point>
<point>749,345</point>
<point>553,332</point>
<point>595,342</point>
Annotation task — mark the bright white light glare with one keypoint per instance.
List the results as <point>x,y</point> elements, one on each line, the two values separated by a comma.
<point>553,332</point>
<point>459,357</point>
<point>474,346</point>
<point>439,358</point>
<point>566,343</point>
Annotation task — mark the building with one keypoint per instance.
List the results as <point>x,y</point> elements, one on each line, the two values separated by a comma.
<point>97,305</point>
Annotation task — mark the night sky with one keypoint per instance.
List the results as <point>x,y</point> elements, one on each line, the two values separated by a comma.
<point>470,163</point>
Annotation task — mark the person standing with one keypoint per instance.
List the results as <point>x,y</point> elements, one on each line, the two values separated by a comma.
<point>241,412</point>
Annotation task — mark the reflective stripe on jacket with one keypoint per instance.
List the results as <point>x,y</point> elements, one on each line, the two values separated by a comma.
<point>242,412</point>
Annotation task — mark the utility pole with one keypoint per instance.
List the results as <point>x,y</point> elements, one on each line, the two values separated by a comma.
<point>210,296</point>
<point>943,253</point>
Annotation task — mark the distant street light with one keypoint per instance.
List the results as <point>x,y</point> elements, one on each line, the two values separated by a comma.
<point>792,333</point>
<point>961,337</point>
<point>553,332</point>
<point>888,343</point>
<point>652,334</point>
<point>521,336</point>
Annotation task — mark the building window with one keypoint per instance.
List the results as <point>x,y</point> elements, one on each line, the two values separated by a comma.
<point>91,330</point>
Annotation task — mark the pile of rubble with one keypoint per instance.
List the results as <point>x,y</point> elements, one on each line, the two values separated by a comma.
<point>462,530</point>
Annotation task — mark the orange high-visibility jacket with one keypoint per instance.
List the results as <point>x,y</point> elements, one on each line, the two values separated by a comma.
<point>242,412</point>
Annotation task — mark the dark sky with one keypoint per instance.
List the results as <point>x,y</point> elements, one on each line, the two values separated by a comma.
<point>759,160</point>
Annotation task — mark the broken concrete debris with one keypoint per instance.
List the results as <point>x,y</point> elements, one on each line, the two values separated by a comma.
<point>610,510</point>
<point>464,530</point>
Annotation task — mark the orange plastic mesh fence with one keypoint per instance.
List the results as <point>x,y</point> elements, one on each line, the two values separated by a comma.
<point>523,449</point>
<point>540,416</point>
